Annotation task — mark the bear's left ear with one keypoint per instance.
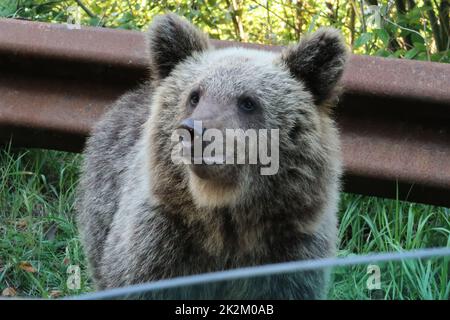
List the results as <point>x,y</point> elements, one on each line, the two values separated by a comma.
<point>318,61</point>
<point>171,40</point>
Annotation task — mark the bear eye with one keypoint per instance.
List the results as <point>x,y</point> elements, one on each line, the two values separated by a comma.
<point>247,104</point>
<point>194,98</point>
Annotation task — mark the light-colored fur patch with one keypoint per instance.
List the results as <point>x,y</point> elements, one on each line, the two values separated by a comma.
<point>210,195</point>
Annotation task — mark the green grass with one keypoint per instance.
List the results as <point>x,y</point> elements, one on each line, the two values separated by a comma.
<point>37,222</point>
<point>370,225</point>
<point>37,227</point>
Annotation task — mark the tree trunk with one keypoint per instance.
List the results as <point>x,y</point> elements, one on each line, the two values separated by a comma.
<point>401,11</point>
<point>400,5</point>
<point>236,16</point>
<point>298,18</point>
<point>435,25</point>
<point>352,24</point>
<point>444,19</point>
<point>411,4</point>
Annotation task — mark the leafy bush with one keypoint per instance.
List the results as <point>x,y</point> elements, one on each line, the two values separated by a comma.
<point>411,29</point>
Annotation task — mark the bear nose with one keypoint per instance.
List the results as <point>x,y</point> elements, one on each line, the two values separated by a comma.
<point>194,131</point>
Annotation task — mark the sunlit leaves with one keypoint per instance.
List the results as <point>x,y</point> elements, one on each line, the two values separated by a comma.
<point>364,39</point>
<point>370,29</point>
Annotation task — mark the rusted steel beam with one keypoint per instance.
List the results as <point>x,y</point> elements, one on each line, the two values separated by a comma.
<point>55,82</point>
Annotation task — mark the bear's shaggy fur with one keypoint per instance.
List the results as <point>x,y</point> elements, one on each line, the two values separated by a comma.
<point>143,218</point>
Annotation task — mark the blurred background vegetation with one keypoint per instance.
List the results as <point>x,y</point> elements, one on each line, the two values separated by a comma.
<point>411,29</point>
<point>38,235</point>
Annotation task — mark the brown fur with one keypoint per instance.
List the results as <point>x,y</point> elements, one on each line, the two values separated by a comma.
<point>144,218</point>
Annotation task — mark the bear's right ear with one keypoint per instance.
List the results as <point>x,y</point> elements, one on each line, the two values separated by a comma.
<point>171,40</point>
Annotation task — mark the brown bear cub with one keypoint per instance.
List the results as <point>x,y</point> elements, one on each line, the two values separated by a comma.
<point>145,217</point>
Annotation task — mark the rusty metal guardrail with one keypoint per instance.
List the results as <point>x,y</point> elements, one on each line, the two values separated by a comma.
<point>55,82</point>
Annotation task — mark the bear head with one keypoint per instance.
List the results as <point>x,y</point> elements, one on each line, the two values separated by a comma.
<point>286,95</point>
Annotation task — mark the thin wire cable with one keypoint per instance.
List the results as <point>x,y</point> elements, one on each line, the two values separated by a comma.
<point>264,270</point>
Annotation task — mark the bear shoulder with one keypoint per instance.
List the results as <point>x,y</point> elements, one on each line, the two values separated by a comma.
<point>106,158</point>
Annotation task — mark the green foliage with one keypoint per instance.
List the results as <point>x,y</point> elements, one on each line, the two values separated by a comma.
<point>413,29</point>
<point>364,39</point>
<point>407,34</point>
<point>39,10</point>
